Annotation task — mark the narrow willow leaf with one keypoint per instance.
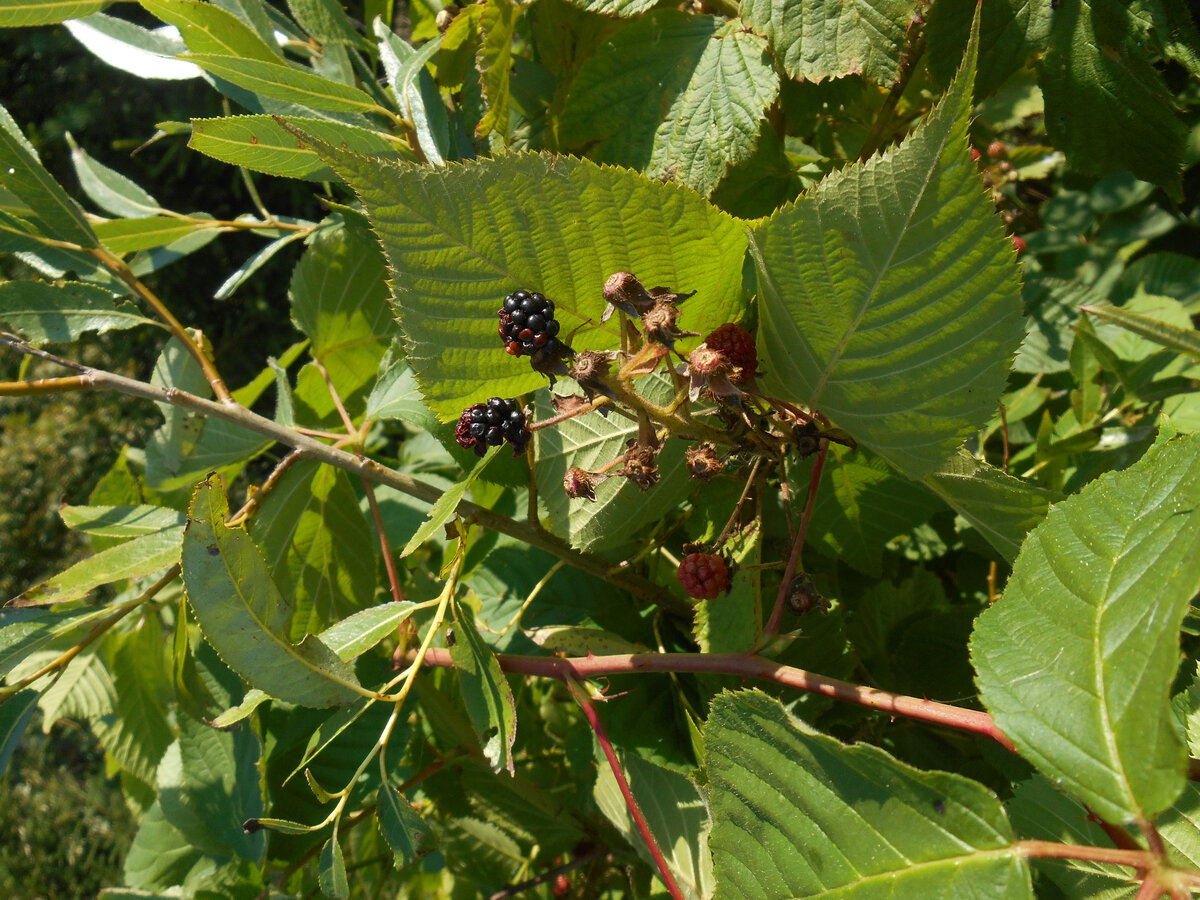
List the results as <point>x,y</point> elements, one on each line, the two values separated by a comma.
<point>261,144</point>
<point>281,82</point>
<point>143,555</point>
<point>60,313</point>
<point>206,28</point>
<point>15,713</point>
<point>415,91</point>
<point>799,814</point>
<point>861,505</point>
<point>1000,507</point>
<point>318,545</point>
<point>674,810</point>
<point>25,631</point>
<point>245,618</point>
<point>890,297</point>
<point>246,270</point>
<point>358,633</point>
<point>127,235</point>
<point>494,62</point>
<point>485,691</point>
<point>409,836</point>
<point>325,20</point>
<point>714,83</point>
<point>590,442</point>
<point>109,189</point>
<point>1107,107</point>
<point>253,700</point>
<point>331,876</point>
<point>459,238</point>
<point>28,13</point>
<point>1076,660</point>
<point>133,49</point>
<point>23,175</point>
<point>1181,340</point>
<point>818,40</point>
<point>446,505</point>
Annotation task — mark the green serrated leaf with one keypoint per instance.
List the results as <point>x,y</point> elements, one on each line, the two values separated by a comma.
<point>713,84</point>
<point>1000,507</point>
<point>331,875</point>
<point>139,733</point>
<point>485,691</point>
<point>799,814</point>
<point>447,504</point>
<point>1181,340</point>
<point>822,39</point>
<point>890,297</point>
<point>358,633</point>
<point>141,556</point>
<point>590,442</point>
<point>494,62</point>
<point>160,856</point>
<point>245,618</point>
<point>318,545</point>
<point>459,238</point>
<point>1106,105</point>
<point>1076,660</point>
<point>409,836</point>
<point>261,144</point>
<point>396,395</point>
<point>281,82</point>
<point>253,700</point>
<point>28,13</point>
<point>674,810</point>
<point>60,313</point>
<point>622,8</point>
<point>1010,32</point>
<point>326,21</point>
<point>207,28</point>
<point>109,189</point>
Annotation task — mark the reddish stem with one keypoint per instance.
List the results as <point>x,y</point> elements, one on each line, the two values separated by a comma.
<point>1150,889</point>
<point>814,482</point>
<point>385,546</point>
<point>1137,859</point>
<point>747,666</point>
<point>589,710</point>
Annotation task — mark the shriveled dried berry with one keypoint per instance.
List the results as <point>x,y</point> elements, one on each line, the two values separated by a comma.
<point>703,462</point>
<point>579,483</point>
<point>704,575</point>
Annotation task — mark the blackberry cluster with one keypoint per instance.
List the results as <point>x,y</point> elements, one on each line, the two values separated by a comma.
<point>527,324</point>
<point>490,425</point>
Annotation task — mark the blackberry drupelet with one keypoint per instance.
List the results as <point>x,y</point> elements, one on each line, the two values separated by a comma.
<point>527,323</point>
<point>492,424</point>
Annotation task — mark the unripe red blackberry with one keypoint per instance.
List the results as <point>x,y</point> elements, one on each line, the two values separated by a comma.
<point>704,575</point>
<point>527,323</point>
<point>1018,243</point>
<point>562,886</point>
<point>492,424</point>
<point>997,150</point>
<point>736,344</point>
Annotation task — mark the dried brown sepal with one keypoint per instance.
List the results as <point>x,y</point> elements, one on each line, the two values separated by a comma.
<point>710,372</point>
<point>590,369</point>
<point>551,360</point>
<point>641,464</point>
<point>659,324</point>
<point>625,292</point>
<point>703,462</point>
<point>803,596</point>
<point>568,404</point>
<point>581,484</point>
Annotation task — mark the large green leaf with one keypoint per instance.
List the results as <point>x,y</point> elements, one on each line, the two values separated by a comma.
<point>461,237</point>
<point>318,545</point>
<point>245,618</point>
<point>139,732</point>
<point>1107,107</point>
<point>406,833</point>
<point>1000,507</point>
<point>675,812</point>
<point>1010,32</point>
<point>339,299</point>
<point>625,8</point>
<point>799,814</point>
<point>818,39</point>
<point>712,84</point>
<point>590,442</point>
<point>59,313</point>
<point>160,856</point>
<point>260,143</point>
<point>27,13</point>
<point>1076,660</point>
<point>494,61</point>
<point>890,297</point>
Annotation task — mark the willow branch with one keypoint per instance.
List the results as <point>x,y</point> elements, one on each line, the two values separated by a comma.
<point>310,448</point>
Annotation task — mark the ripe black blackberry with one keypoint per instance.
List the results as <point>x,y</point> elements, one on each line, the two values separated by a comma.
<point>527,324</point>
<point>490,425</point>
